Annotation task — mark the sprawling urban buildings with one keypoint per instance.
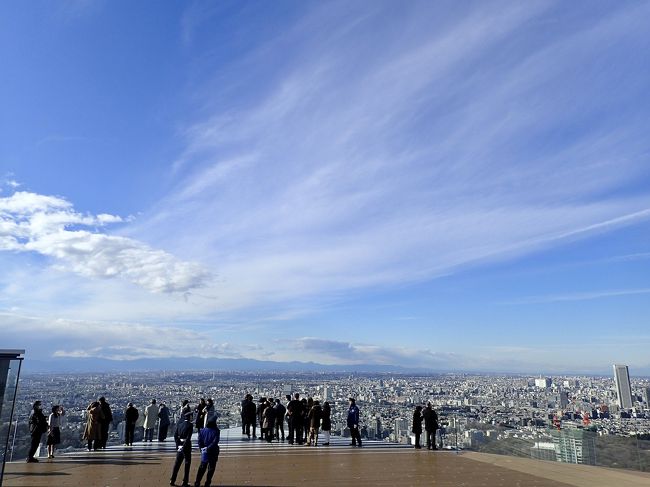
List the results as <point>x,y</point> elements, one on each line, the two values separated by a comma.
<point>564,418</point>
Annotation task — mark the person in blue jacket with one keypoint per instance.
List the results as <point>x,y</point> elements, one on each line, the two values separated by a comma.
<point>209,446</point>
<point>353,423</point>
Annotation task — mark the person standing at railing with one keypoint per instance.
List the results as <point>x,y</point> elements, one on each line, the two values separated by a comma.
<point>248,415</point>
<point>106,421</point>
<point>210,412</point>
<point>37,426</point>
<point>268,416</point>
<point>150,420</point>
<point>353,423</point>
<point>295,410</point>
<point>163,424</point>
<point>326,423</point>
<point>54,432</point>
<point>199,413</point>
<point>315,415</point>
<point>93,431</point>
<point>417,426</point>
<point>280,411</point>
<point>131,415</point>
<point>431,426</point>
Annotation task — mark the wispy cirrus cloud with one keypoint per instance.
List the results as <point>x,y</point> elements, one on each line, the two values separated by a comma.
<point>580,296</point>
<point>50,226</point>
<point>377,158</point>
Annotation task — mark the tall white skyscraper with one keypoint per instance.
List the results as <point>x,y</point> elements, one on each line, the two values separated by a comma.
<point>623,387</point>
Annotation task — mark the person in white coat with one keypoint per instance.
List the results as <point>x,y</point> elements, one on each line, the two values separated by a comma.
<point>150,418</point>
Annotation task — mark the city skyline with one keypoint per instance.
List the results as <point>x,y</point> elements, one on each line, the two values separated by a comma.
<point>431,185</point>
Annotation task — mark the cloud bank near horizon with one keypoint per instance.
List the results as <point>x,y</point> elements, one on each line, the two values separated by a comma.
<point>50,226</point>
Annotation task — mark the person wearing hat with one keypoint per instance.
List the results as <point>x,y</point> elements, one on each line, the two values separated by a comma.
<point>209,446</point>
<point>353,423</point>
<point>183,439</point>
<point>131,416</point>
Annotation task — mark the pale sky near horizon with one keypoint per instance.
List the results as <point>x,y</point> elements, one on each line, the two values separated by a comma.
<point>449,185</point>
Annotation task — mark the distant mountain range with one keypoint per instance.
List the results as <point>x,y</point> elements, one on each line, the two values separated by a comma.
<point>192,363</point>
<point>76,365</point>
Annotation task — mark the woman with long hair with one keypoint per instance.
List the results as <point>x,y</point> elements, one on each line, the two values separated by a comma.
<point>54,430</point>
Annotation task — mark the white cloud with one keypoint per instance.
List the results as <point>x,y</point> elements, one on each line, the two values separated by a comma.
<point>49,226</point>
<point>364,163</point>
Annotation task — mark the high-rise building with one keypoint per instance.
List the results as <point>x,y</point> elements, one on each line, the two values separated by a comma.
<point>401,427</point>
<point>564,399</point>
<point>327,394</point>
<point>623,387</point>
<point>646,397</point>
<point>543,383</point>
<point>575,446</point>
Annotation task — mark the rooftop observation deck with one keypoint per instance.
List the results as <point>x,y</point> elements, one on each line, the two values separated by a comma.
<point>256,463</point>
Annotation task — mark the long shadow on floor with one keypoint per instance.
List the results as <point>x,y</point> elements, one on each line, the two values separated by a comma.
<point>34,474</point>
<point>106,461</point>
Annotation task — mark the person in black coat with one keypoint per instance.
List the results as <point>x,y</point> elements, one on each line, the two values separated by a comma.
<point>105,423</point>
<point>260,416</point>
<point>131,416</point>
<point>249,412</point>
<point>200,411</point>
<point>417,425</point>
<point>431,426</point>
<point>295,411</point>
<point>307,404</point>
<point>280,411</point>
<point>326,422</point>
<point>37,426</point>
<point>269,420</point>
<point>183,439</point>
<point>164,422</point>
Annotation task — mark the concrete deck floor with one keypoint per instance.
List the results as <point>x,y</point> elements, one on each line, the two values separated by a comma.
<point>254,463</point>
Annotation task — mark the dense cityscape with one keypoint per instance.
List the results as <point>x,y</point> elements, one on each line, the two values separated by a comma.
<point>514,415</point>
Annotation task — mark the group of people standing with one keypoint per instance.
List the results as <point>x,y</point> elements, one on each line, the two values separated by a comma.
<point>305,418</point>
<point>430,417</point>
<point>153,414</point>
<point>100,417</point>
<point>39,424</point>
<point>208,442</point>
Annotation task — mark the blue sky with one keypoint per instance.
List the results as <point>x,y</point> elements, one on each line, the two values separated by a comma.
<point>435,184</point>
